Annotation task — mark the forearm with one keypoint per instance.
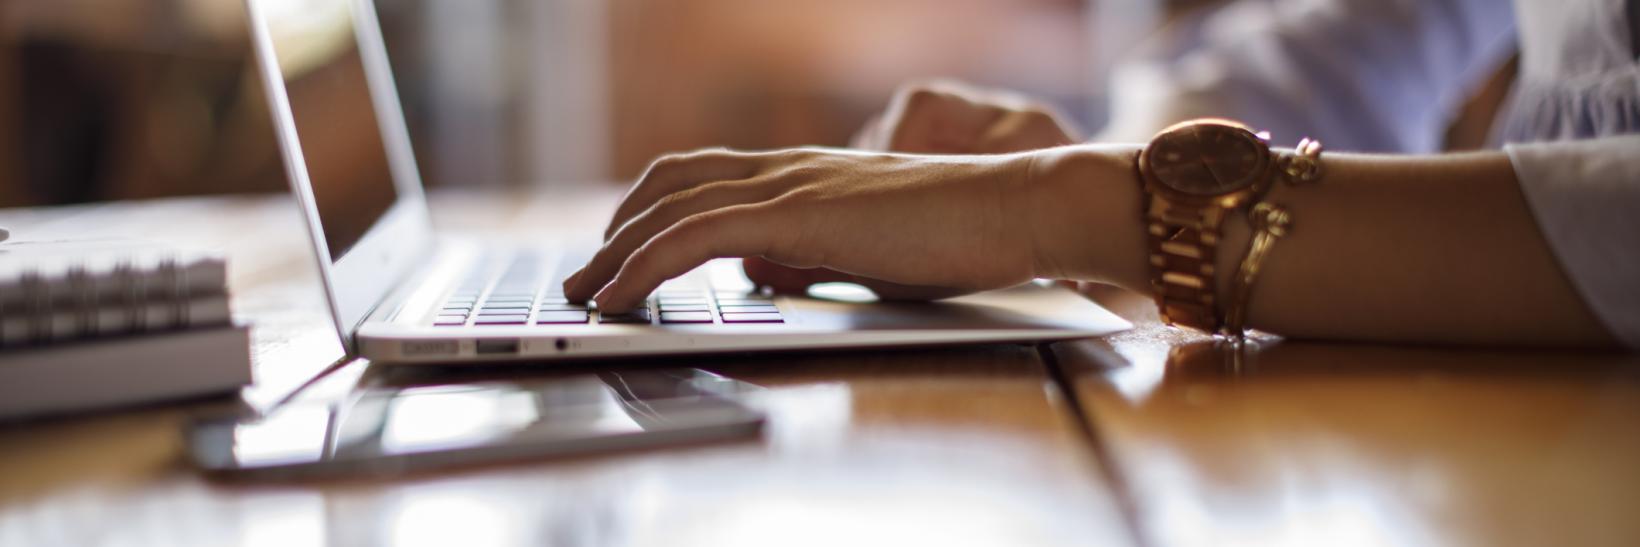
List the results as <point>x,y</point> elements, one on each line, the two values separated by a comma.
<point>1387,248</point>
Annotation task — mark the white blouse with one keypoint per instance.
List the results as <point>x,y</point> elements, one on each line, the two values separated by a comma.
<point>1386,76</point>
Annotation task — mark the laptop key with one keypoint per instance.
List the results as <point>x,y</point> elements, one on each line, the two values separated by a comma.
<point>565,317</point>
<point>501,319</point>
<point>688,300</point>
<point>748,309</point>
<point>684,307</point>
<point>561,307</point>
<point>686,317</point>
<point>636,316</point>
<point>450,320</point>
<point>745,302</point>
<point>752,318</point>
<point>518,301</point>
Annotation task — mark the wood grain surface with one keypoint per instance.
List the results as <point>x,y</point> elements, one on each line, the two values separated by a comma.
<point>1310,443</point>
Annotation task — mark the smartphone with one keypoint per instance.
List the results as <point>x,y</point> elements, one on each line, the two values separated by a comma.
<point>389,429</point>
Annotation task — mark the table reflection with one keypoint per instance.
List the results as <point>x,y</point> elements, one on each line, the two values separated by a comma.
<point>387,428</point>
<point>1305,443</point>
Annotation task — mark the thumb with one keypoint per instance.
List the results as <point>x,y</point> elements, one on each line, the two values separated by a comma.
<point>789,280</point>
<point>786,279</point>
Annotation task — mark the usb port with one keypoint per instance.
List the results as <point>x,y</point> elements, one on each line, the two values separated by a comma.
<point>488,347</point>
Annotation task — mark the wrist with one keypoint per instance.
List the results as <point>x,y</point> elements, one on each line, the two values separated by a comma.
<point>1083,209</point>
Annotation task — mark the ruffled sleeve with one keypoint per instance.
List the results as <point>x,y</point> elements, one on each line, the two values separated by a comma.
<point>1360,75</point>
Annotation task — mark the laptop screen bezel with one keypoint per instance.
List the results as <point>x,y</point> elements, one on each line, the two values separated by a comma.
<point>403,236</point>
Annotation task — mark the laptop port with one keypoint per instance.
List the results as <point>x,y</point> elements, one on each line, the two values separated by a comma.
<point>491,347</point>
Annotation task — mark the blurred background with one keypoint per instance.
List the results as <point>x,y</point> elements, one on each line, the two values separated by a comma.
<point>125,99</point>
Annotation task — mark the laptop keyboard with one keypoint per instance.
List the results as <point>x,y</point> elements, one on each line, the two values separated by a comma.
<point>520,294</point>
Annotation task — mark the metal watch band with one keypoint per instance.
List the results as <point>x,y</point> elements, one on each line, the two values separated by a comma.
<point>1183,243</point>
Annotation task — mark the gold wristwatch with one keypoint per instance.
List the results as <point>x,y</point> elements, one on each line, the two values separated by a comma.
<point>1195,174</point>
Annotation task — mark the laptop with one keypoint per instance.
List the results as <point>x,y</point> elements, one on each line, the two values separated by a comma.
<point>401,293</point>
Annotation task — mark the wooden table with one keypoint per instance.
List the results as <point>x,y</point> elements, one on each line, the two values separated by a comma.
<point>1149,437</point>
<point>1307,443</point>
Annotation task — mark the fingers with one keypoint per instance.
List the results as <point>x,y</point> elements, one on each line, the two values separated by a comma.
<point>670,174</point>
<point>666,212</point>
<point>741,230</point>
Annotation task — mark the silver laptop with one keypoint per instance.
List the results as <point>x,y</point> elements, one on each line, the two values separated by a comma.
<point>401,294</point>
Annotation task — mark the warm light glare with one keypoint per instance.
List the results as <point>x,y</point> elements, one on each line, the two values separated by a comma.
<point>444,519</point>
<point>282,519</point>
<point>295,434</point>
<point>308,33</point>
<point>453,417</point>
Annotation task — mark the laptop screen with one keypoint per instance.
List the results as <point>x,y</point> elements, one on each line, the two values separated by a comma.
<point>336,124</point>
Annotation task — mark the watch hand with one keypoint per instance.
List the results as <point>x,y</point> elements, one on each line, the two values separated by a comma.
<point>1210,172</point>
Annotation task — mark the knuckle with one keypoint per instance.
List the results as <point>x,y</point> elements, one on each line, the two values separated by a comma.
<point>711,154</point>
<point>798,197</point>
<point>668,161</point>
<point>678,160</point>
<point>922,96</point>
<point>802,172</point>
<point>662,165</point>
<point>1039,116</point>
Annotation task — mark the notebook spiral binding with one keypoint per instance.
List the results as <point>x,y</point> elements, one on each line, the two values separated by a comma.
<point>144,301</point>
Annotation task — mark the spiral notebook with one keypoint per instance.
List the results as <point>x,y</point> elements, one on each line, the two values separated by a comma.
<point>91,324</point>
<point>55,291</point>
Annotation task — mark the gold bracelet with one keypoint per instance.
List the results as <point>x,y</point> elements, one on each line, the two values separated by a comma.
<point>1270,222</point>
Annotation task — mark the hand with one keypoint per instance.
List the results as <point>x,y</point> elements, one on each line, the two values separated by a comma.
<point>923,225</point>
<point>946,117</point>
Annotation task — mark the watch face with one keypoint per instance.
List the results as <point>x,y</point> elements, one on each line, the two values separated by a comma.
<point>1206,159</point>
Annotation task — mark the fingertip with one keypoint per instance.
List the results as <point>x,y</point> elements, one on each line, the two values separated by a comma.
<point>607,300</point>
<point>600,302</point>
<point>572,287</point>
